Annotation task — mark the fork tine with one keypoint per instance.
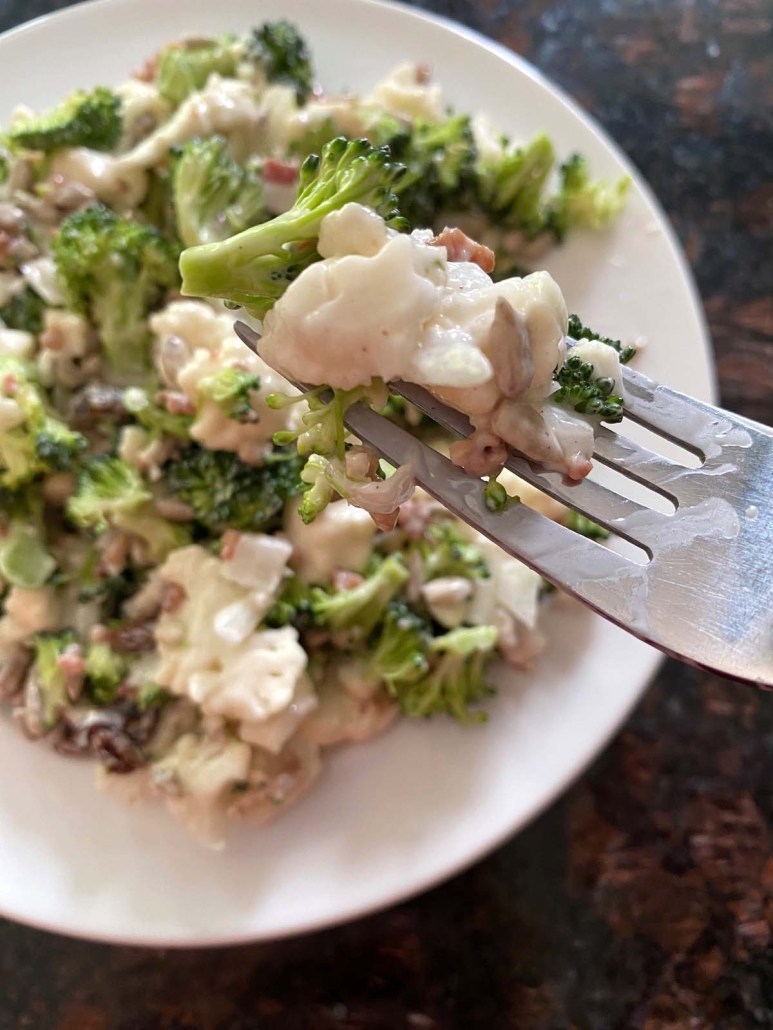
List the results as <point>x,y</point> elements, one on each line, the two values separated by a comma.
<point>590,499</point>
<point>676,482</point>
<point>700,428</point>
<point>598,576</point>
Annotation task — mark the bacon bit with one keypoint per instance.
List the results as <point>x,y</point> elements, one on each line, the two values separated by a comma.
<point>344,580</point>
<point>99,634</point>
<point>282,172</point>
<point>175,402</point>
<point>10,385</point>
<point>414,517</point>
<point>172,596</point>
<point>6,242</point>
<point>385,521</point>
<point>52,339</point>
<point>72,662</point>
<point>460,247</point>
<point>423,74</point>
<point>482,454</point>
<point>115,554</point>
<point>229,543</point>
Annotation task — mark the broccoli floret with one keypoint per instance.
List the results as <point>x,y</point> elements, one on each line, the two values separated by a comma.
<point>214,197</point>
<point>510,186</point>
<point>5,166</point>
<point>578,331</point>
<point>153,417</point>
<point>109,592</point>
<point>231,389</point>
<point>283,55</point>
<point>322,428</point>
<point>50,679</point>
<point>399,656</point>
<point>106,487</point>
<point>582,203</point>
<point>445,552</point>
<point>583,525</point>
<point>225,492</point>
<point>185,67</point>
<point>457,679</point>
<point>57,447</point>
<point>151,695</point>
<point>105,669</point>
<point>113,270</point>
<point>292,606</point>
<point>360,608</point>
<point>159,535</point>
<point>24,560</point>
<point>24,311</point>
<point>254,268</point>
<point>85,119</point>
<point>580,388</point>
<point>39,443</point>
<point>440,160</point>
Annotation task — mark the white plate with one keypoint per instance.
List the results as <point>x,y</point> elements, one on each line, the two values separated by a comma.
<point>394,816</point>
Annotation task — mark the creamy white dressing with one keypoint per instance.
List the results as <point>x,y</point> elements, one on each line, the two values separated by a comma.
<point>340,537</point>
<point>386,305</point>
<point>402,94</point>
<point>109,178</point>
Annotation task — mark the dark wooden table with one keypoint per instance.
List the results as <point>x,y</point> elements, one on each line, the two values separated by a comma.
<point>644,897</point>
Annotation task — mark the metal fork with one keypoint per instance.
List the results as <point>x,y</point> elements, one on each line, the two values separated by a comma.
<point>706,594</point>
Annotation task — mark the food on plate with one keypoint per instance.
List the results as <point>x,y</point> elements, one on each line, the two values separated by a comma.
<point>181,601</point>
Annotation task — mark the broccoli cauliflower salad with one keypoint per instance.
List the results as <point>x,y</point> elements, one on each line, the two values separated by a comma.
<point>206,582</point>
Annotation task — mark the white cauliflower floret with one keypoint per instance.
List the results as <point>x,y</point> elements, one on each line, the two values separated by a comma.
<point>405,93</point>
<point>224,107</point>
<point>142,109</point>
<point>28,612</point>
<point>15,343</point>
<point>340,537</point>
<point>210,646</point>
<point>196,777</point>
<point>204,343</point>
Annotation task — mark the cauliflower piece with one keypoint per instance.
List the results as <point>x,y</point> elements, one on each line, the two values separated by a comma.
<point>341,715</point>
<point>209,345</point>
<point>16,343</point>
<point>274,732</point>
<point>28,612</point>
<point>144,451</point>
<point>340,537</point>
<point>405,93</point>
<point>225,107</point>
<point>106,176</point>
<point>196,777</point>
<point>142,109</point>
<point>210,648</point>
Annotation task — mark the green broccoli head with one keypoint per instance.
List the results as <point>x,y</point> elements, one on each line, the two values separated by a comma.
<point>105,670</point>
<point>232,390</point>
<point>224,492</point>
<point>153,417</point>
<point>114,270</point>
<point>214,197</point>
<point>457,679</point>
<point>39,443</point>
<point>25,311</point>
<point>577,331</point>
<point>106,487</point>
<point>85,119</point>
<point>445,552</point>
<point>50,678</point>
<point>254,268</point>
<point>399,658</point>
<point>283,55</point>
<point>583,203</point>
<point>580,388</point>
<point>510,185</point>
<point>185,67</point>
<point>362,607</point>
<point>440,159</point>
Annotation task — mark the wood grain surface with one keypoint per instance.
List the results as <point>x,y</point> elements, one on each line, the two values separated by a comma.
<point>644,898</point>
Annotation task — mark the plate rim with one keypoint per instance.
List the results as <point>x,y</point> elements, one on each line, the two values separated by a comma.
<point>584,756</point>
